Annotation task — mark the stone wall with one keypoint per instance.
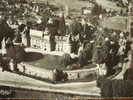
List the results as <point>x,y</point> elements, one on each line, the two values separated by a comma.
<point>82,74</point>
<point>50,74</point>
<point>36,72</point>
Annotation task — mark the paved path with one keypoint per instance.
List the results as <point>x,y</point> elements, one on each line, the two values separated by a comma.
<point>19,81</point>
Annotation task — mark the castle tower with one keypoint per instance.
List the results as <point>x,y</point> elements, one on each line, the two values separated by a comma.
<point>66,10</point>
<point>3,49</point>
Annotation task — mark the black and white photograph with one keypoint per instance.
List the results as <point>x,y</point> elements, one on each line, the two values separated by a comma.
<point>66,49</point>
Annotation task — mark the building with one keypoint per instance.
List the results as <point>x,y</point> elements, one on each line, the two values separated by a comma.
<point>87,10</point>
<point>39,42</point>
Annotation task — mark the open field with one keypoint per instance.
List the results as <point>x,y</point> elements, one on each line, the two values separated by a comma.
<point>116,23</point>
<point>108,5</point>
<point>77,4</point>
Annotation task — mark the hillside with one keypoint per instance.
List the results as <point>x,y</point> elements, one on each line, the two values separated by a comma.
<point>72,4</point>
<point>77,4</point>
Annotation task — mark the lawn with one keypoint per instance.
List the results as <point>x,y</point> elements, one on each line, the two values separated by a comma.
<point>44,61</point>
<point>48,61</point>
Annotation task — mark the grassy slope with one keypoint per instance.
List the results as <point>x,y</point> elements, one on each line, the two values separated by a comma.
<point>73,4</point>
<point>77,4</point>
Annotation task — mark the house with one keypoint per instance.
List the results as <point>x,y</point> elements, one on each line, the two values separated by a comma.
<point>87,10</point>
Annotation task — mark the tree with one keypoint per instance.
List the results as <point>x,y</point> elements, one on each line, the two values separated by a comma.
<point>97,9</point>
<point>66,59</point>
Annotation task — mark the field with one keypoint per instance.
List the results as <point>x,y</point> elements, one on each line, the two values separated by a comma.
<point>116,23</point>
<point>77,4</point>
<point>108,5</point>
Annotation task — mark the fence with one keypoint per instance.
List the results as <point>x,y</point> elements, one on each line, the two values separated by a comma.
<point>45,74</point>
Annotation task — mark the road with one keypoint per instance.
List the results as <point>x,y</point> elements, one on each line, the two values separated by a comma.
<point>19,81</point>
